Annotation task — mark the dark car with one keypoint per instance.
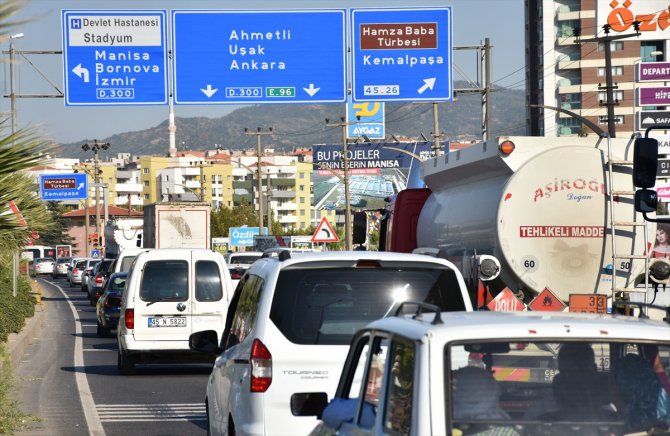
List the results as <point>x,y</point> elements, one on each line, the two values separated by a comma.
<point>97,279</point>
<point>109,304</point>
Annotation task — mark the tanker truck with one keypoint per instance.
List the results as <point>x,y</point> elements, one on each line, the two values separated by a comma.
<point>529,214</point>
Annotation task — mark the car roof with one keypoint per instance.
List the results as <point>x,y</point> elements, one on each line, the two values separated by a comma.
<point>174,253</point>
<point>132,251</point>
<point>321,256</point>
<point>245,253</point>
<point>523,326</point>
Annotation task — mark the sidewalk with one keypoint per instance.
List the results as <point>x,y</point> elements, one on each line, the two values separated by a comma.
<point>18,342</point>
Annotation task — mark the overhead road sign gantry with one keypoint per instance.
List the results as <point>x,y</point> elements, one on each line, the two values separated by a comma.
<point>114,57</point>
<point>402,54</point>
<point>260,56</point>
<point>73,186</point>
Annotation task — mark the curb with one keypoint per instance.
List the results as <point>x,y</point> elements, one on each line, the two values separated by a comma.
<point>17,343</point>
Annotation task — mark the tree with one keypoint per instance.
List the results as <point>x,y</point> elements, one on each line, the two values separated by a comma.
<point>57,233</point>
<point>225,218</point>
<point>18,152</point>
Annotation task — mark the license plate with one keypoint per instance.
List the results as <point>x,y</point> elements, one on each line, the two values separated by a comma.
<point>168,321</point>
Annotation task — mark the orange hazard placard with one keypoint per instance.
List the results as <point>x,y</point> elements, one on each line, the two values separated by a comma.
<point>547,301</point>
<point>588,303</point>
<point>506,301</point>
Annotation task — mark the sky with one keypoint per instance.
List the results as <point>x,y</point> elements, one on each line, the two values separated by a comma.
<point>473,21</point>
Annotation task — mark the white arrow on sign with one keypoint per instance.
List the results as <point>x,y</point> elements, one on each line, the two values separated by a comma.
<point>81,71</point>
<point>427,84</point>
<point>311,90</point>
<point>209,92</point>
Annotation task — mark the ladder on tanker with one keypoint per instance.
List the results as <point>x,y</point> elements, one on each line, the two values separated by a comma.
<point>611,193</point>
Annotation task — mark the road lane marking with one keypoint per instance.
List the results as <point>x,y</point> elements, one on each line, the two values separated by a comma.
<point>151,412</point>
<point>87,402</point>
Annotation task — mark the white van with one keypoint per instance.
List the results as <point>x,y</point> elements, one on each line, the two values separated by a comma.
<point>170,294</point>
<point>125,259</point>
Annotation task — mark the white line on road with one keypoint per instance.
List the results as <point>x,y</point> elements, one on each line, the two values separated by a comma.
<point>152,412</point>
<point>87,403</point>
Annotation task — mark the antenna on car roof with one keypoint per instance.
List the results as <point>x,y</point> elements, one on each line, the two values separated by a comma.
<point>281,253</point>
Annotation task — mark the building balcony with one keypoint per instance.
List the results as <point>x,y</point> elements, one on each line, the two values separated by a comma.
<point>289,205</point>
<point>282,182</point>
<point>569,89</point>
<point>275,193</point>
<point>192,184</point>
<point>288,219</point>
<point>568,64</point>
<point>129,187</point>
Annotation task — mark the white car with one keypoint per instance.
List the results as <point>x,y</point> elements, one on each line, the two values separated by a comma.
<point>290,323</point>
<point>511,373</point>
<point>171,293</point>
<point>239,262</point>
<point>61,267</point>
<point>43,265</point>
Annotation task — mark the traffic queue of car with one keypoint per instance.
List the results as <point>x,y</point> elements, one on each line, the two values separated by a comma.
<point>375,343</point>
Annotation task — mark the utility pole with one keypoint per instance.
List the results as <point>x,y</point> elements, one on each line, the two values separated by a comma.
<point>258,134</point>
<point>609,86</point>
<point>486,92</point>
<point>268,199</point>
<point>96,146</point>
<point>12,73</point>
<point>345,170</point>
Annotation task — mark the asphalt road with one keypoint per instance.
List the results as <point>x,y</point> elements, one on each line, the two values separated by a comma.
<point>68,379</point>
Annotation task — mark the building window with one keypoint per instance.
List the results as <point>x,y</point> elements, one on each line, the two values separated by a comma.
<point>614,46</point>
<point>146,183</point>
<point>618,96</point>
<point>167,178</point>
<point>146,196</point>
<point>302,188</point>
<point>145,170</point>
<point>302,212</point>
<point>618,119</point>
<point>302,200</point>
<point>616,71</point>
<point>301,175</point>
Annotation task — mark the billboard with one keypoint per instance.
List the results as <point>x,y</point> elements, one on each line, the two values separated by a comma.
<point>651,14</point>
<point>376,172</point>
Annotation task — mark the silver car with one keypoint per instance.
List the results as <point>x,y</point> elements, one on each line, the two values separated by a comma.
<point>77,277</point>
<point>61,266</point>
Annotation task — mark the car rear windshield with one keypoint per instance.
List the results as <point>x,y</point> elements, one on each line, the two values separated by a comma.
<point>165,280</point>
<point>64,259</point>
<point>126,262</point>
<point>245,260</point>
<point>327,305</point>
<point>548,387</point>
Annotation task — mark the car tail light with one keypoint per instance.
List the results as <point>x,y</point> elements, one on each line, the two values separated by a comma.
<point>98,279</point>
<point>130,319</point>
<point>368,264</point>
<point>235,275</point>
<point>261,367</point>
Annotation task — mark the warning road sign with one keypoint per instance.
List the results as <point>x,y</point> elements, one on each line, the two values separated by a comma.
<point>324,232</point>
<point>547,301</point>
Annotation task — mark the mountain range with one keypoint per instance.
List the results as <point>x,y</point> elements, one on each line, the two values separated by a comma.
<point>304,125</point>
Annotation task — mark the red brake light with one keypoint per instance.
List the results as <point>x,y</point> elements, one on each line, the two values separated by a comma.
<point>75,271</point>
<point>261,367</point>
<point>235,276</point>
<point>98,279</point>
<point>368,264</point>
<point>130,318</point>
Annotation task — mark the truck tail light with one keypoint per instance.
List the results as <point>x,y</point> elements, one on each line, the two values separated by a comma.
<point>506,147</point>
<point>261,367</point>
<point>130,318</point>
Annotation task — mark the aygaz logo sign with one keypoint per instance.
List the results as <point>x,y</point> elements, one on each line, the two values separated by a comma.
<point>366,118</point>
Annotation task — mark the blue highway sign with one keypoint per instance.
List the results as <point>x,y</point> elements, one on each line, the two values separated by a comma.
<point>263,56</point>
<point>366,118</point>
<point>402,54</point>
<point>115,57</point>
<point>73,186</point>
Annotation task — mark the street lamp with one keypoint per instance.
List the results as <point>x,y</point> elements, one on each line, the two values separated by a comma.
<point>12,75</point>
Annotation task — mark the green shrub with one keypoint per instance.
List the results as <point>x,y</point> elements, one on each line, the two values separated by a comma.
<point>14,310</point>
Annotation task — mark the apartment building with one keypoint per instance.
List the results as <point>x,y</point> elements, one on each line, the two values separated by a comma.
<point>572,75</point>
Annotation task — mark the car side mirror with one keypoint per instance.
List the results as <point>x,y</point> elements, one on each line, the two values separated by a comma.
<point>309,404</point>
<point>645,162</point>
<point>206,341</point>
<point>646,200</point>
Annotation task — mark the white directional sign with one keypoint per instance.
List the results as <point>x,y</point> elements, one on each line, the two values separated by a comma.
<point>402,54</point>
<point>115,57</point>
<point>260,56</point>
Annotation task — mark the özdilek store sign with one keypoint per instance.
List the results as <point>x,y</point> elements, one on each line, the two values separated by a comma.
<point>244,236</point>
